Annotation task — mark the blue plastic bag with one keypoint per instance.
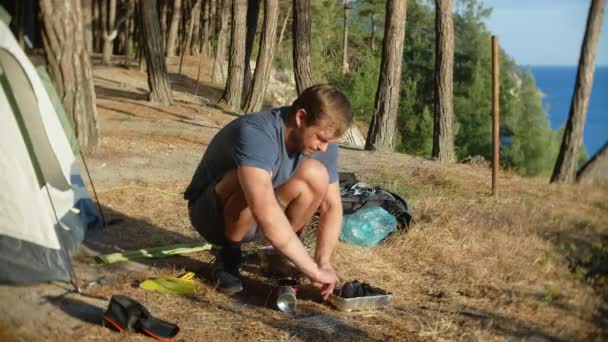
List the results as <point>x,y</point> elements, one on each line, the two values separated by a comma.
<point>367,227</point>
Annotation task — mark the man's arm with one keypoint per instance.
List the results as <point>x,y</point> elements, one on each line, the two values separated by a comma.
<point>259,194</point>
<point>330,224</point>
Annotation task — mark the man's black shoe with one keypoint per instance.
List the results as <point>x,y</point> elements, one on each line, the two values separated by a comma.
<point>225,273</point>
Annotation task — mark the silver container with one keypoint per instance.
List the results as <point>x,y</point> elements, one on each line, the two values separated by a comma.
<point>286,299</point>
<point>360,303</point>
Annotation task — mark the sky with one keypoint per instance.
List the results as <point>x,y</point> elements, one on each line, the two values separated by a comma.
<point>544,32</point>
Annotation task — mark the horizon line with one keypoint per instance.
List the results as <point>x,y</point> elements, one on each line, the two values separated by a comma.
<point>559,65</point>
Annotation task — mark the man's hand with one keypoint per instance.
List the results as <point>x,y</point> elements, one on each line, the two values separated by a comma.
<point>325,280</point>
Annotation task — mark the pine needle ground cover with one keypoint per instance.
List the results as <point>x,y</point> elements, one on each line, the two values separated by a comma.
<point>528,264</point>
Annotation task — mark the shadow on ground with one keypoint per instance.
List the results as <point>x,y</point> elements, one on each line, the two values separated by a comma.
<point>129,233</point>
<point>586,250</point>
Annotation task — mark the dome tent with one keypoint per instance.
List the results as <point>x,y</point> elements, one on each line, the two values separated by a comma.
<point>44,207</point>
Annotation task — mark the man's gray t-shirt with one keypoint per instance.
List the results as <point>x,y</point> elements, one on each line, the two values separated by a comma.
<point>256,139</point>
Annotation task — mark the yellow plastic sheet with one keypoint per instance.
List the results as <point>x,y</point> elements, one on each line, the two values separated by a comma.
<point>183,285</point>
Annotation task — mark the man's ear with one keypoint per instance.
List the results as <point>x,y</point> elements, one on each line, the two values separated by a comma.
<point>300,117</point>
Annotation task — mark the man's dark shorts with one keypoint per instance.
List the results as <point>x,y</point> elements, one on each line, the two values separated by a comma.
<point>207,217</point>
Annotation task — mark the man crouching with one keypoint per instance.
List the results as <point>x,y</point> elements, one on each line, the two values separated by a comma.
<point>268,173</point>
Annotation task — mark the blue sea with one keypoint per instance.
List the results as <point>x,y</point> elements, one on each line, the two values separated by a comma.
<point>557,83</point>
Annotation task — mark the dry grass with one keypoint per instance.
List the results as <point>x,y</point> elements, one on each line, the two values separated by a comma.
<point>472,267</point>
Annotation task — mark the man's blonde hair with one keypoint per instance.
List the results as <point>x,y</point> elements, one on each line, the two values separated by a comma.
<point>325,105</point>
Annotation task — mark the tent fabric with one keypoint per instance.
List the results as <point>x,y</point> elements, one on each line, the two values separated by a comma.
<point>40,219</point>
<point>61,114</point>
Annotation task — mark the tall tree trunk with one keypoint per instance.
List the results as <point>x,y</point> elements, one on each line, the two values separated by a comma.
<point>103,22</point>
<point>219,64</point>
<point>18,22</point>
<point>253,11</point>
<point>443,129</point>
<point>382,127</point>
<point>164,8</point>
<point>301,45</point>
<point>234,85</point>
<point>190,26</point>
<point>282,34</point>
<point>158,82</point>
<point>87,11</point>
<point>205,30</point>
<point>263,64</point>
<point>96,22</point>
<point>565,166</point>
<point>345,67</point>
<point>372,37</point>
<point>130,30</point>
<point>109,33</point>
<point>595,169</point>
<point>70,66</point>
<point>195,43</point>
<point>213,19</point>
<point>173,28</point>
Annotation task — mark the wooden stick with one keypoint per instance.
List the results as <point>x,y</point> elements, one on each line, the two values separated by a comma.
<point>495,115</point>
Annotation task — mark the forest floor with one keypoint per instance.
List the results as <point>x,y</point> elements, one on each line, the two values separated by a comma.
<point>529,264</point>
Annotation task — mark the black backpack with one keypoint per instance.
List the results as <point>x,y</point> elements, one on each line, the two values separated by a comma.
<point>358,195</point>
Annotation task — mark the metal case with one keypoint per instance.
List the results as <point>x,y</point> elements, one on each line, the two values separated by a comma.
<point>360,303</point>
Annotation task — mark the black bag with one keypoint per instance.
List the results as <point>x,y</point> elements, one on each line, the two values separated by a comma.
<point>358,195</point>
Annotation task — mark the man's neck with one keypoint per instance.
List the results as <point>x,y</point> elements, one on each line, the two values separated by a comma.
<point>290,138</point>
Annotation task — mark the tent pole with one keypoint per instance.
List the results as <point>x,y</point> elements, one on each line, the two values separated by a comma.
<point>103,217</point>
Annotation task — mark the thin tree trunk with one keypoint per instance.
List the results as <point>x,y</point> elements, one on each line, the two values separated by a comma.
<point>213,20</point>
<point>301,45</point>
<point>70,66</point>
<point>282,34</point>
<point>158,82</point>
<point>372,37</point>
<point>234,85</point>
<point>109,33</point>
<point>96,22</point>
<point>345,67</point>
<point>130,31</point>
<point>87,11</point>
<point>103,22</point>
<point>565,166</point>
<point>595,169</point>
<point>193,11</point>
<point>443,130</point>
<point>195,43</point>
<point>219,64</point>
<point>263,65</point>
<point>173,28</point>
<point>164,8</point>
<point>206,28</point>
<point>382,127</point>
<point>253,11</point>
<point>18,22</point>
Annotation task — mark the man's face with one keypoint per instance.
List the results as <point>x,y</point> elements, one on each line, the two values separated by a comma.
<point>315,139</point>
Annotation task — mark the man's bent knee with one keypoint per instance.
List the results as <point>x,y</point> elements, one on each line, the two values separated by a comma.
<point>314,174</point>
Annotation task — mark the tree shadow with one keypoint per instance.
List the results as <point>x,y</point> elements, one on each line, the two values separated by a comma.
<point>103,92</point>
<point>585,247</point>
<point>307,323</point>
<point>185,84</point>
<point>184,121</point>
<point>490,321</point>
<point>129,233</point>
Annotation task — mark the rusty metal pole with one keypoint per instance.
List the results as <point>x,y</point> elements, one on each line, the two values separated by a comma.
<point>495,115</point>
